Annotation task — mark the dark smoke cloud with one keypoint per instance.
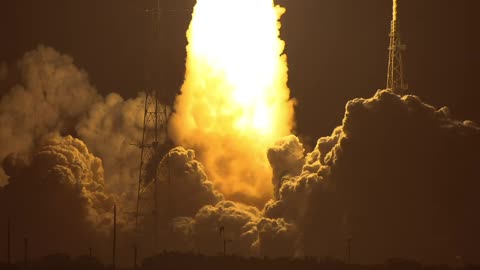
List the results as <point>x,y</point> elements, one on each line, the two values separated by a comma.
<point>51,96</point>
<point>54,96</point>
<point>399,177</point>
<point>189,186</point>
<point>239,222</point>
<point>199,212</point>
<point>55,196</point>
<point>276,238</point>
<point>286,158</point>
<point>110,128</point>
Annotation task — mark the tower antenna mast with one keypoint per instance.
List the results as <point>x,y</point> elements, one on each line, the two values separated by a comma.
<point>155,144</point>
<point>154,135</point>
<point>396,81</point>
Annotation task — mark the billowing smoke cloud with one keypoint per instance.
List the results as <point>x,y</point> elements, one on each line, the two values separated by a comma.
<point>188,187</point>
<point>55,196</point>
<point>52,95</point>
<point>286,158</point>
<point>111,127</point>
<point>237,221</point>
<point>198,214</point>
<point>55,97</point>
<point>242,227</point>
<point>235,102</point>
<point>277,238</point>
<point>398,177</point>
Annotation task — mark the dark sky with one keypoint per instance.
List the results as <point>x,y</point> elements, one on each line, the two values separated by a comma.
<point>337,49</point>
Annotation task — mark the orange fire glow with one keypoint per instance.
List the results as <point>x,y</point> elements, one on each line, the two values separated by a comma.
<point>235,102</point>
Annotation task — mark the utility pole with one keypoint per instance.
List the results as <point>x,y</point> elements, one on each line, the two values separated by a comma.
<point>153,146</point>
<point>224,239</point>
<point>396,81</point>
<point>154,123</point>
<point>114,244</point>
<point>9,254</point>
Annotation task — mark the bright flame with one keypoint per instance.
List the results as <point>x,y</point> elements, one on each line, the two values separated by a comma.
<point>235,102</point>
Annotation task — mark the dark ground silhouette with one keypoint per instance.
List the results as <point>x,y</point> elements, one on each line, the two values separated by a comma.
<point>193,261</point>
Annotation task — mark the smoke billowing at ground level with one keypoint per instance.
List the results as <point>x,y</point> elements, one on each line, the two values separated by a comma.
<point>398,177</point>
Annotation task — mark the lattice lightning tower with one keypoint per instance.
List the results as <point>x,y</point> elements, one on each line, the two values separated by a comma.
<point>153,146</point>
<point>396,77</point>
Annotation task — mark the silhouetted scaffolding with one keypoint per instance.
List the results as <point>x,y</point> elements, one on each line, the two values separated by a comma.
<point>154,146</point>
<point>396,81</point>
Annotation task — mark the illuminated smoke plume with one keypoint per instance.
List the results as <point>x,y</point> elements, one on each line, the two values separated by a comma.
<point>56,197</point>
<point>189,188</point>
<point>235,102</point>
<point>198,211</point>
<point>243,227</point>
<point>286,158</point>
<point>399,177</point>
<point>55,96</point>
<point>239,224</point>
<point>51,97</point>
<point>110,127</point>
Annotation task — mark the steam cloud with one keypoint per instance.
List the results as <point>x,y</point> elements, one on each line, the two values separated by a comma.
<point>53,94</point>
<point>398,177</point>
<point>54,99</point>
<point>54,190</point>
<point>56,195</point>
<point>187,178</point>
<point>110,127</point>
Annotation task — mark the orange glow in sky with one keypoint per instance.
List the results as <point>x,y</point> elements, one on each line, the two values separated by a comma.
<point>235,102</point>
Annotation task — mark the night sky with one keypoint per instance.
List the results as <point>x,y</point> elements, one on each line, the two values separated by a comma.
<point>337,49</point>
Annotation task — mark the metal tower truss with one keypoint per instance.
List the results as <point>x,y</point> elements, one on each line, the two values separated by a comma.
<point>154,137</point>
<point>153,209</point>
<point>396,77</point>
<point>153,147</point>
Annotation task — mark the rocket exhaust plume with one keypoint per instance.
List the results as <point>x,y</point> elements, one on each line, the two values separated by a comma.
<point>235,102</point>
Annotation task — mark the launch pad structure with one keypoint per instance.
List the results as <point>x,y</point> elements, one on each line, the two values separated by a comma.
<point>396,81</point>
<point>154,145</point>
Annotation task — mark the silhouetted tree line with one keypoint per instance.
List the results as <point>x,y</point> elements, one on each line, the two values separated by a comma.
<point>168,260</point>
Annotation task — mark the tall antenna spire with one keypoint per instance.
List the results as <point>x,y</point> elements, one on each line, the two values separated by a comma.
<point>155,144</point>
<point>396,77</point>
<point>153,141</point>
